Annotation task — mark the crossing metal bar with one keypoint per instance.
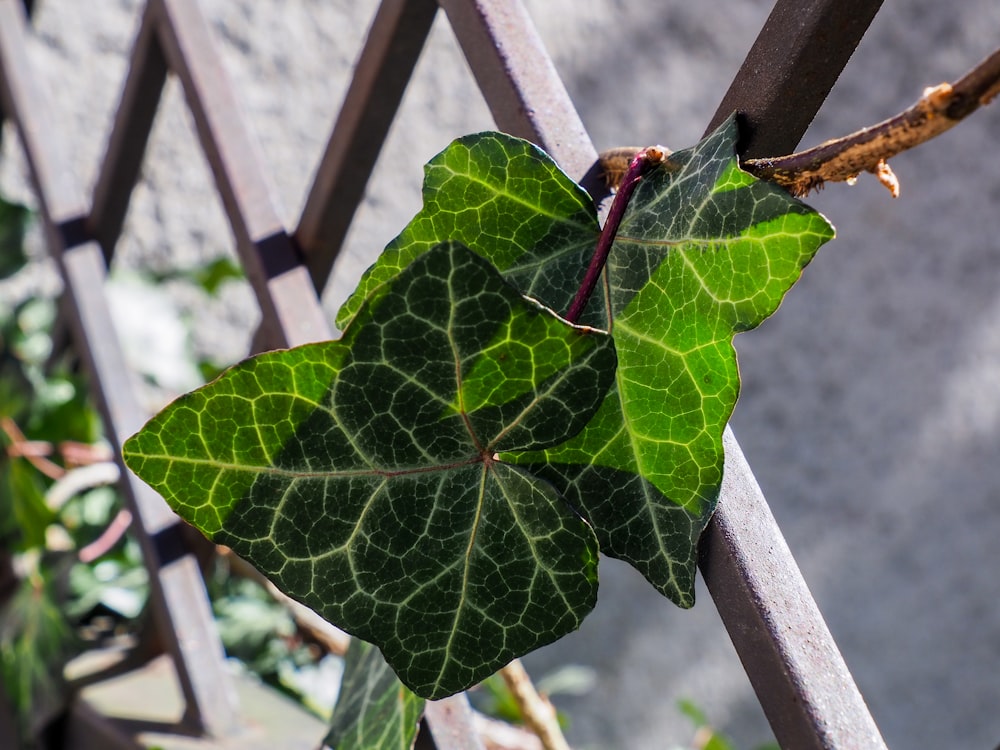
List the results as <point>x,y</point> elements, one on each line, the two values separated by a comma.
<point>381,75</point>
<point>180,603</point>
<point>274,266</point>
<point>789,655</point>
<point>520,84</point>
<point>790,69</point>
<point>119,170</point>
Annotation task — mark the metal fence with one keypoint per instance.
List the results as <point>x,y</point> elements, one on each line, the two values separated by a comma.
<point>789,655</point>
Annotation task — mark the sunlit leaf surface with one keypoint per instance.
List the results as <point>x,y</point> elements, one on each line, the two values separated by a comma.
<point>704,251</point>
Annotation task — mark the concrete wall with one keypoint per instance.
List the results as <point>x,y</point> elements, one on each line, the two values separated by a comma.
<point>871,401</point>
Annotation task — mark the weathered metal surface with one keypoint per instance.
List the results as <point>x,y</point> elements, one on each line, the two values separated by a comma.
<point>788,73</point>
<point>520,84</point>
<point>122,161</point>
<point>451,724</point>
<point>273,264</point>
<point>381,75</point>
<point>800,677</point>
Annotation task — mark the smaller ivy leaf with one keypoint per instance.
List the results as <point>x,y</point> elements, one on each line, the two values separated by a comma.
<point>508,201</point>
<point>361,475</point>
<point>703,252</point>
<point>374,710</point>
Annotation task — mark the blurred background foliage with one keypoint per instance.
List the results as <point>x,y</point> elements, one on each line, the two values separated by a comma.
<point>75,578</point>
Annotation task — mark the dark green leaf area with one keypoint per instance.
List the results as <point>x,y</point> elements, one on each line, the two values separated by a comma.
<point>360,475</point>
<point>452,574</point>
<point>374,710</point>
<point>14,220</point>
<point>634,519</point>
<point>704,251</point>
<point>509,202</point>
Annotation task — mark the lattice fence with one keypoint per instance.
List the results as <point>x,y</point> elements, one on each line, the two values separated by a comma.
<point>800,678</point>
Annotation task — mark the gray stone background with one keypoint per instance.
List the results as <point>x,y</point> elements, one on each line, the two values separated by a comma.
<point>871,400</point>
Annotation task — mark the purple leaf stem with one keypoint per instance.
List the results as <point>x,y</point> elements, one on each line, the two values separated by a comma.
<point>643,163</point>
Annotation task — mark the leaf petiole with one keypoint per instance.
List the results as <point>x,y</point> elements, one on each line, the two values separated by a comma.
<point>643,163</point>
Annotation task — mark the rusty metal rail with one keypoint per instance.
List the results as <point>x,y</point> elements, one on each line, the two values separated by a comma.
<point>801,680</point>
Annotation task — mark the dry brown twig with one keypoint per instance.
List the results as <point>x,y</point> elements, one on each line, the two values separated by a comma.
<point>538,713</point>
<point>868,150</point>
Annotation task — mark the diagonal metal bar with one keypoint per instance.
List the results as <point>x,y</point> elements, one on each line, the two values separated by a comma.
<point>790,69</point>
<point>790,656</point>
<point>521,86</point>
<point>129,135</point>
<point>383,70</point>
<point>179,599</point>
<point>290,308</point>
<point>800,677</point>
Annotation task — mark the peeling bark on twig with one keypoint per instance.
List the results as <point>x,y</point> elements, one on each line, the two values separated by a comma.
<point>842,160</point>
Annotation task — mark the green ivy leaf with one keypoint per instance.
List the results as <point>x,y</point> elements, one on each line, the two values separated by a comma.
<point>506,199</point>
<point>361,474</point>
<point>36,642</point>
<point>374,710</point>
<point>704,251</point>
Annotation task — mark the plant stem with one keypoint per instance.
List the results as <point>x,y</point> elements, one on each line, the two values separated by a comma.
<point>539,715</point>
<point>867,150</point>
<point>641,164</point>
<point>939,109</point>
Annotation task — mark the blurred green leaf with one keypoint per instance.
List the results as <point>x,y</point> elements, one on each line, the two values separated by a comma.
<point>22,499</point>
<point>35,643</point>
<point>31,338</point>
<point>493,698</point>
<point>374,711</point>
<point>569,679</point>
<point>14,220</point>
<point>118,584</point>
<point>690,709</point>
<point>315,683</point>
<point>209,276</point>
<point>252,627</point>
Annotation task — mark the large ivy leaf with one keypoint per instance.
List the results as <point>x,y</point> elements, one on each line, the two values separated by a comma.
<point>506,199</point>
<point>374,710</point>
<point>704,251</point>
<point>361,475</point>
